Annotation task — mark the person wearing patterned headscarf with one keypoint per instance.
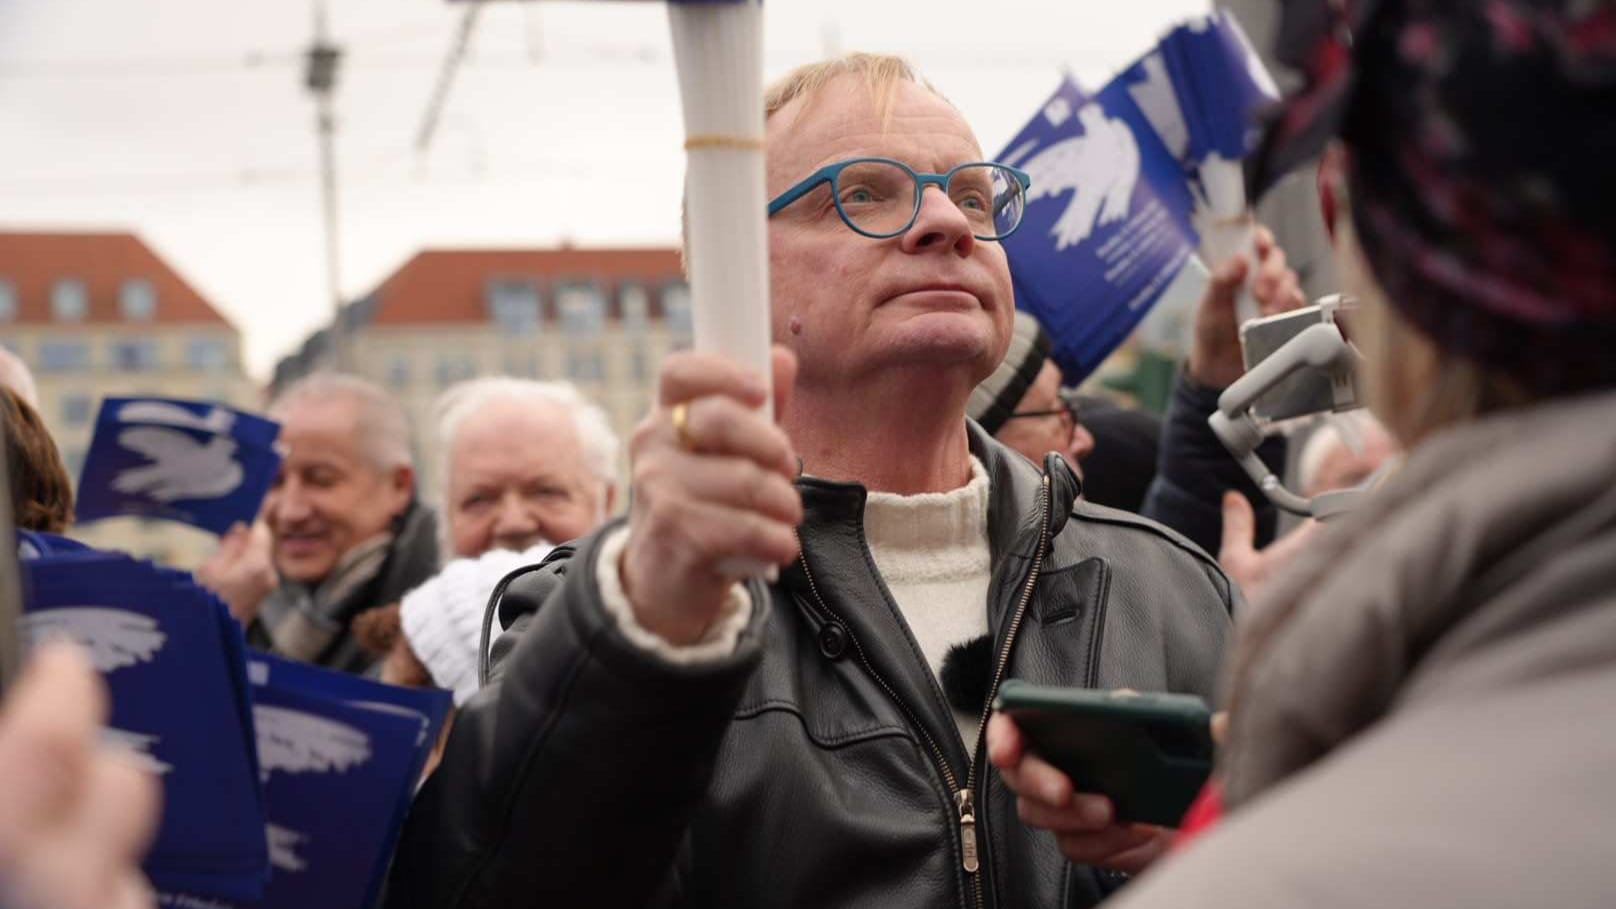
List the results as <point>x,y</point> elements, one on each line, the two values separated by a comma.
<point>1420,705</point>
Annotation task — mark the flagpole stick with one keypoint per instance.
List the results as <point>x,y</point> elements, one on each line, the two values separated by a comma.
<point>1231,229</point>
<point>718,52</point>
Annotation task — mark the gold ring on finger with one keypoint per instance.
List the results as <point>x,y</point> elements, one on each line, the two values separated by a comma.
<point>681,426</point>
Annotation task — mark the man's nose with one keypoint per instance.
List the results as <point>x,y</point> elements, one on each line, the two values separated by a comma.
<point>939,225</point>
<point>289,504</point>
<point>514,517</point>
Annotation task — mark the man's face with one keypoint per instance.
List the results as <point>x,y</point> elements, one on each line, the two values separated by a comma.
<point>327,498</point>
<point>518,477</point>
<point>1056,431</point>
<point>933,297</point>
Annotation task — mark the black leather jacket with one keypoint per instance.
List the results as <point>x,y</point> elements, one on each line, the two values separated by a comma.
<point>819,765</point>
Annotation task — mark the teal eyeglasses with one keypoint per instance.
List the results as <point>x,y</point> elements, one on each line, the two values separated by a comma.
<point>880,197</point>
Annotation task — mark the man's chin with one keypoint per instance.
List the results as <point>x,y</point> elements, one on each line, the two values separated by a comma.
<point>303,570</point>
<point>943,339</point>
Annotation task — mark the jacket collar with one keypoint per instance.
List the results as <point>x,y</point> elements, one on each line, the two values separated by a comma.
<point>1015,486</point>
<point>845,577</point>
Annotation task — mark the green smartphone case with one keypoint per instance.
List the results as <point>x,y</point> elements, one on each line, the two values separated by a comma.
<point>1149,753</point>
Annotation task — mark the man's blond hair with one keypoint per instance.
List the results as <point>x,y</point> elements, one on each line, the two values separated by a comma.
<point>881,74</point>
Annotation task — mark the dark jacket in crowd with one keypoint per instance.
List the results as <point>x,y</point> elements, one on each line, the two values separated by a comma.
<point>819,764</point>
<point>1193,470</point>
<point>1118,472</point>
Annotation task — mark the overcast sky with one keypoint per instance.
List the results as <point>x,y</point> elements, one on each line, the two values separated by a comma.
<point>186,121</point>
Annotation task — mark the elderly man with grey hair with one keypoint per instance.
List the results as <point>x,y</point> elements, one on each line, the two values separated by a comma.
<point>522,465</point>
<point>346,533</point>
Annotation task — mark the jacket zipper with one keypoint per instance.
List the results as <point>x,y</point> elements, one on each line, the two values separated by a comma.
<point>964,797</point>
<point>1045,506</point>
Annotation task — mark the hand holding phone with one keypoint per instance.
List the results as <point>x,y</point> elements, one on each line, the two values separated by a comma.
<point>1149,754</point>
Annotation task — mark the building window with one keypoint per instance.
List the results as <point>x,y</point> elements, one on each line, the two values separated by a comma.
<point>636,306</point>
<point>398,371</point>
<point>74,461</point>
<point>586,366</point>
<point>454,368</point>
<point>676,309</point>
<point>8,301</point>
<point>526,364</point>
<point>514,306</point>
<point>639,363</point>
<point>207,354</point>
<point>75,409</point>
<point>63,356</point>
<point>69,300</point>
<point>139,355</point>
<point>137,299</point>
<point>583,310</point>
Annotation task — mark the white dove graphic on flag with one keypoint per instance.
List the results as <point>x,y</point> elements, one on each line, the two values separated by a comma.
<point>283,843</point>
<point>1100,168</point>
<point>1158,101</point>
<point>217,421</point>
<point>292,741</point>
<point>139,747</point>
<point>181,468</point>
<point>115,638</point>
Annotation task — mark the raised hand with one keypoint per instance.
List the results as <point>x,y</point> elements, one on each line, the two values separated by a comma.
<point>1215,360</point>
<point>77,817</point>
<point>240,571</point>
<point>712,486</point>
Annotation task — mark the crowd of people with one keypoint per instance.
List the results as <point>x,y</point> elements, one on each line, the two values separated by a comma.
<point>1416,693</point>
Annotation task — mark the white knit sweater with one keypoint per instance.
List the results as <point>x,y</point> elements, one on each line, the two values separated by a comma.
<point>932,550</point>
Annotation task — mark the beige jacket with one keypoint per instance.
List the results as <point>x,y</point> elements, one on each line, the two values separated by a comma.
<point>1424,706</point>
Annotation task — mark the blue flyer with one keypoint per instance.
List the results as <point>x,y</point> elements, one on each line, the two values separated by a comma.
<point>340,756</point>
<point>1119,180</point>
<point>1107,227</point>
<point>173,660</point>
<point>195,462</point>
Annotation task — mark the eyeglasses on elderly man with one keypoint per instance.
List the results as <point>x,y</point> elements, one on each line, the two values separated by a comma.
<point>880,197</point>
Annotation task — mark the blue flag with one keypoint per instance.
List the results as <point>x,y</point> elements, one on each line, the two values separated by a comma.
<point>1219,84</point>
<point>195,462</point>
<point>340,758</point>
<point>1107,227</point>
<point>1119,181</point>
<point>174,664</point>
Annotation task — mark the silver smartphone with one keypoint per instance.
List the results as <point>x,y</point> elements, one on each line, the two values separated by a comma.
<point>1308,391</point>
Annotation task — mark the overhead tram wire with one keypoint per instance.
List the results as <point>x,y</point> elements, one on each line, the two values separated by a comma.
<point>446,77</point>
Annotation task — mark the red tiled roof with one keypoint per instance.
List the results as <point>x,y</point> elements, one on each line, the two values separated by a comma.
<point>34,262</point>
<point>449,285</point>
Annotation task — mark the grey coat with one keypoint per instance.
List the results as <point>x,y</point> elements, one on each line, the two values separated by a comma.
<point>1424,708</point>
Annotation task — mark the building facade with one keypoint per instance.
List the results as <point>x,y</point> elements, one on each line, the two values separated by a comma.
<point>101,314</point>
<point>601,318</point>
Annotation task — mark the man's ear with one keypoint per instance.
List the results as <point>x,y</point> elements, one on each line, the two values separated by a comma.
<point>609,502</point>
<point>401,486</point>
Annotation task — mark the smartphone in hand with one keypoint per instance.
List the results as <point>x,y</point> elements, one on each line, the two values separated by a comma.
<point>1150,754</point>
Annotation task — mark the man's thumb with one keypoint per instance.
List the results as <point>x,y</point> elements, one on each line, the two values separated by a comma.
<point>1239,526</point>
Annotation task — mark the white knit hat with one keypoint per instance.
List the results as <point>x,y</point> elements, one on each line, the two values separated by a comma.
<point>443,618</point>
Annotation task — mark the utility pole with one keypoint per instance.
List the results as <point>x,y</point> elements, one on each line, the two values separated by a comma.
<point>320,78</point>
